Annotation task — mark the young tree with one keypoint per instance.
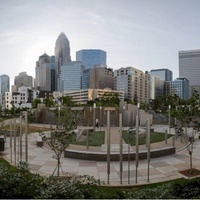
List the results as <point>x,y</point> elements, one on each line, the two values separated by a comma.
<point>187,115</point>
<point>60,138</point>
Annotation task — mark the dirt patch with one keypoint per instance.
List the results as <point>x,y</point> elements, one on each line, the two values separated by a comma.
<point>190,172</point>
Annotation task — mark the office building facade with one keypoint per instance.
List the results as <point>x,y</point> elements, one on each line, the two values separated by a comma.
<point>71,76</point>
<point>101,78</point>
<point>134,83</point>
<point>45,73</point>
<point>189,67</point>
<point>91,57</point>
<point>23,79</point>
<point>180,87</point>
<point>163,74</point>
<point>83,96</point>
<point>4,83</point>
<point>156,86</point>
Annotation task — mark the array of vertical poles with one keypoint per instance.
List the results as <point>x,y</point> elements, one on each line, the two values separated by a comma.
<point>16,144</point>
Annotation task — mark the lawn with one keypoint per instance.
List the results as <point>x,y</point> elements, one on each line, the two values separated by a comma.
<point>95,139</point>
<point>154,137</point>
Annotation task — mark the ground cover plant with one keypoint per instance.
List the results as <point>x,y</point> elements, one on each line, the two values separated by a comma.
<point>18,183</point>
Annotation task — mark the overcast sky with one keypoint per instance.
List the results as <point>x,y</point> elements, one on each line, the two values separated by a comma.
<point>145,34</point>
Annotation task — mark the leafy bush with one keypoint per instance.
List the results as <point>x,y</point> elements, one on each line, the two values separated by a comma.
<point>159,192</point>
<point>15,184</point>
<point>188,189</point>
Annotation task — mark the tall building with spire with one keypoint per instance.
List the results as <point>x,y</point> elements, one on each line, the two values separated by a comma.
<point>62,54</point>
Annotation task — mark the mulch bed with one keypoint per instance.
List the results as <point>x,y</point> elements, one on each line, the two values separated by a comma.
<point>190,173</point>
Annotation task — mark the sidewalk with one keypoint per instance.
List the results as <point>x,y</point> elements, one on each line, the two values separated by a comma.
<point>161,169</point>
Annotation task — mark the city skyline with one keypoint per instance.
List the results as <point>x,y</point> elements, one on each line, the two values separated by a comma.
<point>140,34</point>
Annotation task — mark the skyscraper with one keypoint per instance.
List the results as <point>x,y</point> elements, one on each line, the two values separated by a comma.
<point>23,80</point>
<point>163,74</point>
<point>70,76</point>
<point>189,66</point>
<point>4,83</point>
<point>44,73</point>
<point>62,54</point>
<point>91,57</point>
<point>134,83</point>
<point>180,87</point>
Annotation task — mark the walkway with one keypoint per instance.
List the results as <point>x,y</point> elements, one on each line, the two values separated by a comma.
<point>161,169</point>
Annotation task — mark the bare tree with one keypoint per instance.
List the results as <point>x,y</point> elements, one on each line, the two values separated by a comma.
<point>60,138</point>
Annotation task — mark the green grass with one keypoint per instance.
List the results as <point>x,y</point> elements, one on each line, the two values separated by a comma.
<point>95,139</point>
<point>154,137</point>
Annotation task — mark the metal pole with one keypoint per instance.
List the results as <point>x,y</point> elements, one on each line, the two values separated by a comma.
<point>165,136</point>
<point>148,147</point>
<point>137,147</point>
<point>137,143</point>
<point>121,148</point>
<point>20,138</point>
<point>87,139</point>
<point>11,140</point>
<point>129,158</point>
<point>100,109</point>
<point>169,120</point>
<point>15,141</point>
<point>108,144</point>
<point>26,135</point>
<point>94,106</point>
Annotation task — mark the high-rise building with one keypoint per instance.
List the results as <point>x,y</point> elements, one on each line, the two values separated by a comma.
<point>101,78</point>
<point>91,57</point>
<point>180,87</point>
<point>45,73</point>
<point>189,67</point>
<point>163,74</point>
<point>4,83</point>
<point>134,83</point>
<point>70,76</point>
<point>156,86</point>
<point>62,54</point>
<point>23,79</point>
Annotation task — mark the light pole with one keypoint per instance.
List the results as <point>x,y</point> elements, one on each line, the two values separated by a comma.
<point>94,115</point>
<point>169,120</point>
<point>100,109</point>
<point>137,142</point>
<point>124,107</point>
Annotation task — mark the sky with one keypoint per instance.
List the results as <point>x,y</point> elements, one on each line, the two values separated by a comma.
<point>145,34</point>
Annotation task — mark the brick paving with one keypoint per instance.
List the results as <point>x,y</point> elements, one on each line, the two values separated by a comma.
<point>161,169</point>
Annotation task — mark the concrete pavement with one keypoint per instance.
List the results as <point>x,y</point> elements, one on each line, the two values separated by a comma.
<point>161,169</point>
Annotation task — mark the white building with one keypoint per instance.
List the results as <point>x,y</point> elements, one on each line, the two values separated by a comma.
<point>134,83</point>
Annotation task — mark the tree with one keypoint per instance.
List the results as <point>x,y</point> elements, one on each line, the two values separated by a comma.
<point>48,102</point>
<point>60,138</point>
<point>187,115</point>
<point>36,102</point>
<point>109,99</point>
